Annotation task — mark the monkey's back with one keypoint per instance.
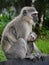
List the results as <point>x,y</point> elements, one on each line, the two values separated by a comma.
<point>16,27</point>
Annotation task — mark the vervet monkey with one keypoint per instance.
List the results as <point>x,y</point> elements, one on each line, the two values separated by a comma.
<point>15,35</point>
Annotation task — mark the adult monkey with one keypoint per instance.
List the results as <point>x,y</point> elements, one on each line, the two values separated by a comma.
<point>15,35</point>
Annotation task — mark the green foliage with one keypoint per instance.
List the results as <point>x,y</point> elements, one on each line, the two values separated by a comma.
<point>44,33</point>
<point>46,22</point>
<point>2,55</point>
<point>43,45</point>
<point>4,19</point>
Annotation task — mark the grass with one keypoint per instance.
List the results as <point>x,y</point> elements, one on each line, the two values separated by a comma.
<point>43,45</point>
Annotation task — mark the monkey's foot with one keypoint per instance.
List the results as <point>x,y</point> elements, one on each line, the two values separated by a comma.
<point>40,57</point>
<point>31,57</point>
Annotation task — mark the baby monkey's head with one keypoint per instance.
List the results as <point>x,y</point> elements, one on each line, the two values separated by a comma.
<point>32,37</point>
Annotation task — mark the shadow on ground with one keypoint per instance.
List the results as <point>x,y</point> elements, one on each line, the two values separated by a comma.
<point>25,62</point>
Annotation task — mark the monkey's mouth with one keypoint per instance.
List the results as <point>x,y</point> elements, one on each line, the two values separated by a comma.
<point>35,17</point>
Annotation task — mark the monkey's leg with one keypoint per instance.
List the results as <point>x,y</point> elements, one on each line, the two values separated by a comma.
<point>18,49</point>
<point>36,49</point>
<point>29,54</point>
<point>31,57</point>
<point>21,48</point>
<point>38,52</point>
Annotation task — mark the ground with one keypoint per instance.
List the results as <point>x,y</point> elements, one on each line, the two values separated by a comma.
<point>25,62</point>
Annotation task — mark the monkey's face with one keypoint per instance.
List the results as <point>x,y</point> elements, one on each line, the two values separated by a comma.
<point>31,14</point>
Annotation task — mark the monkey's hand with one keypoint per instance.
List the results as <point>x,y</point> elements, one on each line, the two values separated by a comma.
<point>40,57</point>
<point>32,37</point>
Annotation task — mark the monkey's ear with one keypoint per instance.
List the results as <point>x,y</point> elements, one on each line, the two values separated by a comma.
<point>24,12</point>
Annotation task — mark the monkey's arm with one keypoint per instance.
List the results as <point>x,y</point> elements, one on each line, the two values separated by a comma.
<point>36,49</point>
<point>38,54</point>
<point>11,38</point>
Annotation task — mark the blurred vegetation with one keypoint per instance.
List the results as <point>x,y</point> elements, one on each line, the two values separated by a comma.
<point>4,19</point>
<point>7,14</point>
<point>43,45</point>
<point>2,55</point>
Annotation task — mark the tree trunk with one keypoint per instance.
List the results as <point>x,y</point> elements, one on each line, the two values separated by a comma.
<point>40,6</point>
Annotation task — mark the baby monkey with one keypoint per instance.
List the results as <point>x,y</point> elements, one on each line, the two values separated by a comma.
<point>31,41</point>
<point>32,37</point>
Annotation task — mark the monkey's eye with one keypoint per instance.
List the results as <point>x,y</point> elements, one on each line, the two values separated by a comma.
<point>35,14</point>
